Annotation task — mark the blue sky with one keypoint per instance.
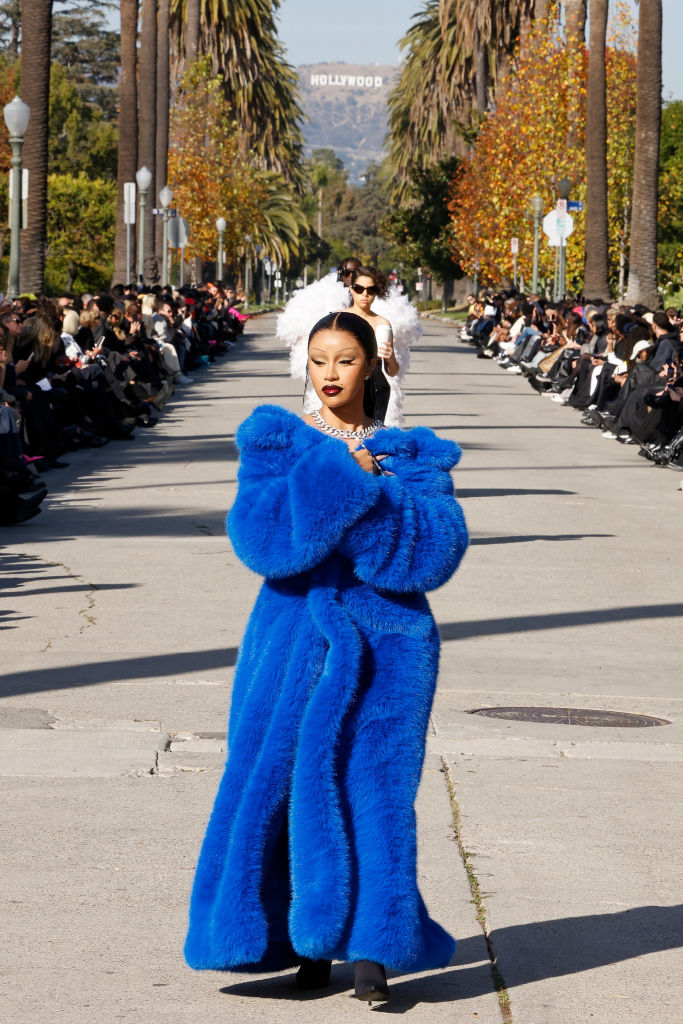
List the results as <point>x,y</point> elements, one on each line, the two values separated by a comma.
<point>314,31</point>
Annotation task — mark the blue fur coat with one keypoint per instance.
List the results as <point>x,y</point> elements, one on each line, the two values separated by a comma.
<point>311,846</point>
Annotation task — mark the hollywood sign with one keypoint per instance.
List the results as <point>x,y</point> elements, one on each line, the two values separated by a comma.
<point>358,81</point>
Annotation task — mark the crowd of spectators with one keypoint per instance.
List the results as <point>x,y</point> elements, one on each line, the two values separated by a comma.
<point>81,372</point>
<point>620,367</point>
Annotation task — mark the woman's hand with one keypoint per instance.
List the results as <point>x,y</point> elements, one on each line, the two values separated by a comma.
<point>21,366</point>
<point>385,351</point>
<point>385,348</point>
<point>365,459</point>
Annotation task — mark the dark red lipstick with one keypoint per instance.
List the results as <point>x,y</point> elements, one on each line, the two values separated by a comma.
<point>332,390</point>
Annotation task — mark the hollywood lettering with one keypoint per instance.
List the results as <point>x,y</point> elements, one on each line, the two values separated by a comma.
<point>356,81</point>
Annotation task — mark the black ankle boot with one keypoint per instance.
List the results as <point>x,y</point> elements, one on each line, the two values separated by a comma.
<point>313,974</point>
<point>371,982</point>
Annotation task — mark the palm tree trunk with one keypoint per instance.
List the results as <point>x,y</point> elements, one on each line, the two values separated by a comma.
<point>147,101</point>
<point>481,72</point>
<point>128,131</point>
<point>596,274</point>
<point>575,20</point>
<point>163,87</point>
<point>36,40</point>
<point>192,35</point>
<point>642,275</point>
<point>192,30</point>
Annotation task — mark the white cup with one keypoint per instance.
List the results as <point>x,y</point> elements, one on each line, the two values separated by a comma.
<point>383,336</point>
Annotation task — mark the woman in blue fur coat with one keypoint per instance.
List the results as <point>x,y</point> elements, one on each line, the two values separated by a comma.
<point>310,852</point>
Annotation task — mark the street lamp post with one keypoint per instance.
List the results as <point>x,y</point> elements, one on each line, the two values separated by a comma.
<point>537,210</point>
<point>221,225</point>
<point>144,180</point>
<point>247,271</point>
<point>564,187</point>
<point>17,115</point>
<point>165,197</point>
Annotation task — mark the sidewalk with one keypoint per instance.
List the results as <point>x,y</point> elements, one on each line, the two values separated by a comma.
<point>123,608</point>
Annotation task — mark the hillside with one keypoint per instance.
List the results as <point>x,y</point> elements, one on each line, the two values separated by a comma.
<point>346,107</point>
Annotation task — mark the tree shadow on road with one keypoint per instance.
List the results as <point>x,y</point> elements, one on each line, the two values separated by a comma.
<point>505,492</point>
<point>557,620</point>
<point>523,539</point>
<point>171,665</point>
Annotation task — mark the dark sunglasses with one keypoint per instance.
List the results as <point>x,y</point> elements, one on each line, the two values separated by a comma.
<point>359,289</point>
<point>12,319</point>
<point>345,271</point>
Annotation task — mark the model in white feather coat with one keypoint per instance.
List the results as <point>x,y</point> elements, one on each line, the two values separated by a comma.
<point>330,294</point>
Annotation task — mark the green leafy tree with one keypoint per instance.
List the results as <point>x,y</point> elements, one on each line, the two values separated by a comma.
<point>671,194</point>
<point>212,172</point>
<point>356,227</point>
<point>80,232</point>
<point>421,226</point>
<point>89,51</point>
<point>81,141</point>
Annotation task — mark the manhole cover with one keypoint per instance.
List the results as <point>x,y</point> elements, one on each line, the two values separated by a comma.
<point>571,716</point>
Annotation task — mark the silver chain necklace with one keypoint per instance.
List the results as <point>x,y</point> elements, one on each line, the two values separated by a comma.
<point>337,432</point>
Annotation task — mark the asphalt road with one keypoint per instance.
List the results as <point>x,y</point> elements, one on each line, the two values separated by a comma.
<point>122,609</point>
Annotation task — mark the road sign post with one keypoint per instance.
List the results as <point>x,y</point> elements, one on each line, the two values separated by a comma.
<point>178,237</point>
<point>558,226</point>
<point>128,220</point>
<point>514,249</point>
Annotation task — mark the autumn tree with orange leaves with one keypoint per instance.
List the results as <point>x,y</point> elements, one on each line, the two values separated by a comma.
<point>531,140</point>
<point>209,169</point>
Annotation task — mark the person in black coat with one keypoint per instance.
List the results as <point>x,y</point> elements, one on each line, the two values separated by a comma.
<point>668,342</point>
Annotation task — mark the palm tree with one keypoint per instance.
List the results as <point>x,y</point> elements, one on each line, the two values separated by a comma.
<point>163,104</point>
<point>128,126</point>
<point>596,272</point>
<point>456,50</point>
<point>36,39</point>
<point>147,111</point>
<point>430,100</point>
<point>642,274</point>
<point>283,232</point>
<point>240,36</point>
<point>192,19</point>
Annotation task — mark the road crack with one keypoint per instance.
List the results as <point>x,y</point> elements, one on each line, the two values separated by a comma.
<point>88,613</point>
<point>477,899</point>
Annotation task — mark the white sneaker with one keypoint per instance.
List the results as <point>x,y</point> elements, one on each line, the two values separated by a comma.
<point>182,379</point>
<point>609,435</point>
<point>514,369</point>
<point>558,398</point>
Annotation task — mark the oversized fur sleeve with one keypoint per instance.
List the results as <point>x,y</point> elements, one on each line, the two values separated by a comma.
<point>298,493</point>
<point>301,497</point>
<point>414,536</point>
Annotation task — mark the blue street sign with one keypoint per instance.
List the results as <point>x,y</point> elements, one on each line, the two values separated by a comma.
<point>575,204</point>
